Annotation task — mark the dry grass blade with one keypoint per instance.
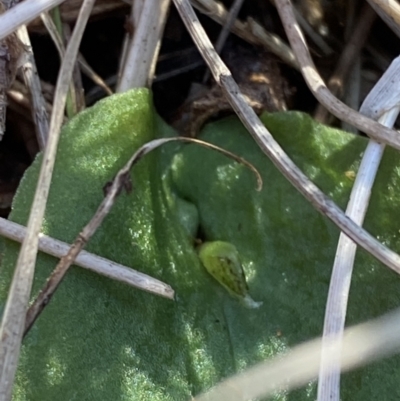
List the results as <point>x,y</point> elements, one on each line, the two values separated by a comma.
<point>251,31</point>
<point>23,13</point>
<point>140,60</point>
<point>32,81</point>
<point>361,344</point>
<point>389,11</point>
<point>339,288</point>
<point>313,35</point>
<point>91,262</point>
<point>316,84</point>
<point>272,149</point>
<point>226,28</point>
<point>352,50</point>
<point>85,67</point>
<point>121,181</point>
<point>13,320</point>
<point>231,17</point>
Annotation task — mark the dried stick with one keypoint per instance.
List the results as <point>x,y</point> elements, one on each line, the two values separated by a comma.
<point>361,344</point>
<point>13,320</point>
<point>350,53</point>
<point>231,17</point>
<point>251,31</point>
<point>139,65</point>
<point>32,81</point>
<point>389,11</point>
<point>83,64</point>
<point>23,13</point>
<point>19,94</point>
<point>121,181</point>
<point>272,149</point>
<point>314,36</point>
<point>226,28</point>
<point>352,93</point>
<point>314,81</point>
<point>91,262</point>
<point>339,288</point>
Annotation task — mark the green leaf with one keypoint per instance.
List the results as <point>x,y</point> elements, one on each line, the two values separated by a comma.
<point>100,339</point>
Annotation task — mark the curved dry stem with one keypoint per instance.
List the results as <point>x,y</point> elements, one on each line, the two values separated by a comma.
<point>13,320</point>
<point>339,288</point>
<point>121,181</point>
<point>317,86</point>
<point>159,142</point>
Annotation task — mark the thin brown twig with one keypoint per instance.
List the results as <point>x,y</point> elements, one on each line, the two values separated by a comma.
<point>226,28</point>
<point>121,181</point>
<point>83,64</point>
<point>346,61</point>
<point>317,86</point>
<point>272,149</point>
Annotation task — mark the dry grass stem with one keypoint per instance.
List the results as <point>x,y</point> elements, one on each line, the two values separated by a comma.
<point>251,31</point>
<point>13,319</point>
<point>353,92</point>
<point>347,59</point>
<point>389,11</point>
<point>91,262</point>
<point>314,36</point>
<point>22,13</point>
<point>226,28</point>
<point>11,52</point>
<point>85,67</point>
<point>339,288</point>
<point>139,65</point>
<point>32,81</point>
<point>19,94</point>
<point>316,84</point>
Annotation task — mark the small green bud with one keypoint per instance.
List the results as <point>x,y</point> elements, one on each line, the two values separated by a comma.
<point>222,261</point>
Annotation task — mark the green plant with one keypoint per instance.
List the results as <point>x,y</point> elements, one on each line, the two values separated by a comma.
<point>100,339</point>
